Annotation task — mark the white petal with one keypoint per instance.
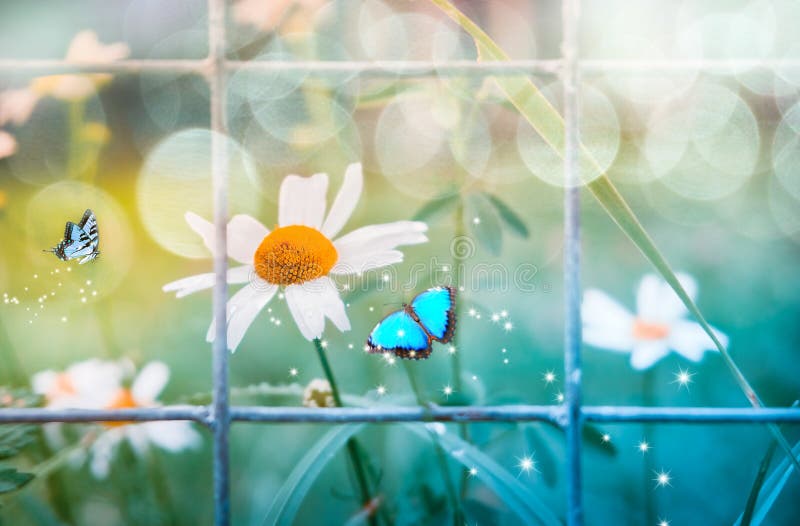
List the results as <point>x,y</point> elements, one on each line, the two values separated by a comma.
<point>656,302</point>
<point>244,235</point>
<point>357,264</point>
<point>690,340</point>
<point>86,47</point>
<point>204,229</point>
<point>245,314</point>
<point>190,285</point>
<point>102,451</point>
<point>241,310</point>
<point>173,436</point>
<point>645,354</point>
<point>8,144</point>
<point>138,437</point>
<point>359,244</point>
<point>345,202</point>
<point>96,381</point>
<point>606,323</point>
<point>42,381</point>
<point>149,383</point>
<point>302,200</point>
<point>313,301</point>
<point>17,105</point>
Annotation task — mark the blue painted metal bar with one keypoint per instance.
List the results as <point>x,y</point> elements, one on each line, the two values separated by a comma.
<point>555,414</point>
<point>220,422</point>
<point>573,422</point>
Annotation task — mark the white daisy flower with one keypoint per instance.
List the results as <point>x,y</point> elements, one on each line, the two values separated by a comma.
<point>144,392</point>
<point>16,106</point>
<point>303,252</point>
<point>83,385</point>
<point>659,325</point>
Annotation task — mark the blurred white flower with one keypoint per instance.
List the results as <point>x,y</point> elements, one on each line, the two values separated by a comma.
<point>85,47</point>
<point>265,15</point>
<point>300,255</point>
<point>659,325</point>
<point>144,392</point>
<point>16,106</point>
<point>83,385</point>
<point>8,144</point>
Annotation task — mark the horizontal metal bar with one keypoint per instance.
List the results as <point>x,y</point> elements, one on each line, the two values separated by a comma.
<point>708,415</point>
<point>395,67</point>
<point>197,413</point>
<point>502,413</point>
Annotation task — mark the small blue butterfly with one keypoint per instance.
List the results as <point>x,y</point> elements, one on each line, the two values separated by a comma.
<point>410,332</point>
<point>80,241</point>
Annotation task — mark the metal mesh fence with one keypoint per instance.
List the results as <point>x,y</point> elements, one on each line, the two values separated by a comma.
<point>571,415</point>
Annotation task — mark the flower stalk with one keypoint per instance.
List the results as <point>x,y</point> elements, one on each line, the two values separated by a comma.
<point>353,449</point>
<point>441,459</point>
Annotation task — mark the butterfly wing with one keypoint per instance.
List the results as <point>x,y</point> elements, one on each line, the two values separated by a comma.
<point>89,242</point>
<point>436,309</point>
<point>398,333</point>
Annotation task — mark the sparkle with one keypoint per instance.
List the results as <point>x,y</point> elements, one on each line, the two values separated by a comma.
<point>447,390</point>
<point>69,269</point>
<point>508,326</point>
<point>81,291</point>
<point>390,359</point>
<point>476,220</point>
<point>478,316</point>
<point>365,348</point>
<point>504,313</point>
<point>683,378</point>
<point>451,349</point>
<point>474,377</point>
<point>446,268</point>
<point>324,344</point>
<point>35,276</point>
<point>503,350</point>
<point>386,278</point>
<point>663,522</point>
<point>662,478</point>
<point>643,446</point>
<point>83,299</point>
<point>549,377</point>
<point>473,471</point>
<point>495,317</point>
<point>560,397</point>
<point>88,282</point>
<point>606,438</point>
<point>372,309</point>
<point>64,319</point>
<point>277,322</point>
<point>349,345</point>
<point>401,333</point>
<point>293,371</point>
<point>381,390</point>
<point>472,312</point>
<point>526,464</point>
<point>281,295</point>
<point>505,361</point>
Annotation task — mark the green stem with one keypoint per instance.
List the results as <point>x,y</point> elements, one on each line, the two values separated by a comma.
<point>549,124</point>
<point>161,489</point>
<point>352,445</point>
<point>441,458</point>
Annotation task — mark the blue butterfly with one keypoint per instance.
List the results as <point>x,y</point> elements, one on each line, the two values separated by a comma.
<point>80,241</point>
<point>410,332</point>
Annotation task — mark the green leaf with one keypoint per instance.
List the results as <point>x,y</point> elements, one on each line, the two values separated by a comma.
<point>287,502</point>
<point>13,438</point>
<point>534,107</point>
<point>508,215</point>
<point>484,223</point>
<point>437,207</point>
<point>12,480</point>
<point>752,499</point>
<point>519,499</point>
<point>772,487</point>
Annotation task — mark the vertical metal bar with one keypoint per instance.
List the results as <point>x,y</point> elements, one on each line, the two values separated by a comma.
<point>572,253</point>
<point>219,177</point>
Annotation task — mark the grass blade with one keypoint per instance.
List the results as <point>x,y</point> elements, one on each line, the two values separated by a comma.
<point>507,214</point>
<point>287,502</point>
<point>773,487</point>
<point>522,501</point>
<point>549,124</point>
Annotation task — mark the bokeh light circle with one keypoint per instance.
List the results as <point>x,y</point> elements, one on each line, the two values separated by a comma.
<point>176,178</point>
<point>58,135</point>
<point>50,208</point>
<point>599,131</point>
<point>786,151</point>
<point>704,145</point>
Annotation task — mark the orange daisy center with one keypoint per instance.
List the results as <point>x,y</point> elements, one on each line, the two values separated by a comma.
<point>294,254</point>
<point>62,386</point>
<point>123,399</point>
<point>644,330</point>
